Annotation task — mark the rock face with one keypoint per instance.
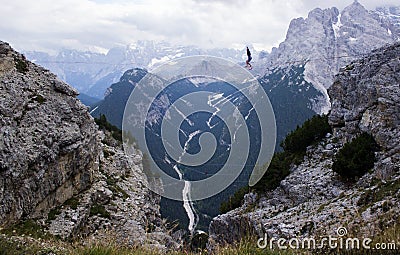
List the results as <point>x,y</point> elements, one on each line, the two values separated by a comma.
<point>328,39</point>
<point>365,98</point>
<point>49,145</point>
<point>118,206</point>
<point>312,201</point>
<point>59,169</point>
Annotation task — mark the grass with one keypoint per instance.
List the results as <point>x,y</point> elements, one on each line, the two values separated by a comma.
<point>248,246</point>
<point>12,248</point>
<point>369,197</point>
<point>27,228</point>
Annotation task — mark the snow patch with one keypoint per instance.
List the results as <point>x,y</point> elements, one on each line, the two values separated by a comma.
<point>200,80</point>
<point>156,61</point>
<point>94,109</point>
<point>336,26</point>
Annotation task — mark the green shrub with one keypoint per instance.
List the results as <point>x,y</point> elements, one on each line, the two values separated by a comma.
<point>234,201</point>
<point>73,202</point>
<point>52,215</point>
<point>278,169</point>
<point>102,122</point>
<point>356,157</point>
<point>21,64</point>
<point>99,210</point>
<point>311,131</point>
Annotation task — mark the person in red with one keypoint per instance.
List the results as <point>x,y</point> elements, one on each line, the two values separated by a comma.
<point>249,58</point>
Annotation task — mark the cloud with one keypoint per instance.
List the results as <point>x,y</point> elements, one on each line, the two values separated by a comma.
<point>84,24</point>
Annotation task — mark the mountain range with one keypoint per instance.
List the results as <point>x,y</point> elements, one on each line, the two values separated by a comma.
<point>92,73</point>
<point>324,41</point>
<point>65,180</point>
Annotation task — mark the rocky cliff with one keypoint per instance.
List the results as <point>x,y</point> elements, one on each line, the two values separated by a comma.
<point>49,143</point>
<point>60,171</point>
<point>313,201</point>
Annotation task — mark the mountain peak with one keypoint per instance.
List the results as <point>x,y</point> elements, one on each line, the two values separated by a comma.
<point>355,8</point>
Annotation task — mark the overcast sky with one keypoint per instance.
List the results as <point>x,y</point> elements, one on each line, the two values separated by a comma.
<point>49,25</point>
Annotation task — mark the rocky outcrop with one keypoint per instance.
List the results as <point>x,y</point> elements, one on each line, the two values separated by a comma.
<point>312,201</point>
<point>118,206</point>
<point>58,169</point>
<point>365,98</point>
<point>49,144</point>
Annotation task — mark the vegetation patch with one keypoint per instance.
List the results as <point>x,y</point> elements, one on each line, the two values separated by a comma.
<point>349,67</point>
<point>38,98</point>
<point>28,228</point>
<point>21,64</point>
<point>99,210</point>
<point>118,190</point>
<point>12,247</point>
<point>108,153</point>
<point>312,131</point>
<point>115,188</point>
<point>52,215</point>
<point>356,157</point>
<point>73,203</point>
<point>369,197</point>
<point>234,201</point>
<point>102,122</point>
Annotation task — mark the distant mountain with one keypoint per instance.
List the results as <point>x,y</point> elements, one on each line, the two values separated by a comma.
<point>390,16</point>
<point>113,105</point>
<point>88,100</point>
<point>329,39</point>
<point>296,75</point>
<point>291,96</point>
<point>92,73</point>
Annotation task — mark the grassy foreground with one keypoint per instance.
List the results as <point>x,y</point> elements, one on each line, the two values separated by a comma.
<point>28,239</point>
<point>21,245</point>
